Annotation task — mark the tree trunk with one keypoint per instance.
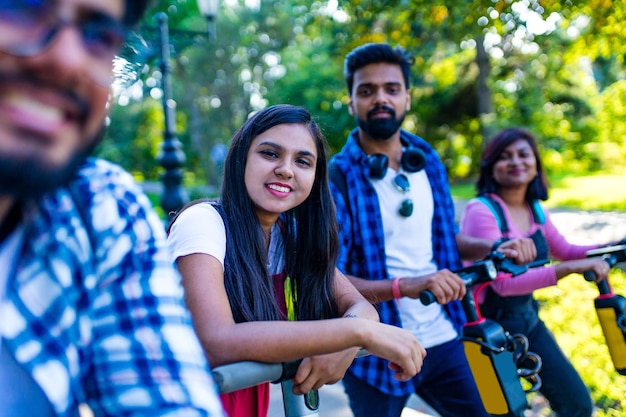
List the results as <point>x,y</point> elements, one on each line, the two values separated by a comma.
<point>485,105</point>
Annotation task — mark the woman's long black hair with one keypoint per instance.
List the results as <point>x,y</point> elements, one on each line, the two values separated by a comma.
<point>537,189</point>
<point>310,251</point>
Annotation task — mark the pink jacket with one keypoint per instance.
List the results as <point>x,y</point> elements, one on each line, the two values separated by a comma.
<point>478,220</point>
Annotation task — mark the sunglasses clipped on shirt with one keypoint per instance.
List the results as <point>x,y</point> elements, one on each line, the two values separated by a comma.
<point>401,182</point>
<point>28,27</point>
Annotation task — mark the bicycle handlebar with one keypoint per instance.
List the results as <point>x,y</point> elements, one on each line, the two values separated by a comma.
<point>245,374</point>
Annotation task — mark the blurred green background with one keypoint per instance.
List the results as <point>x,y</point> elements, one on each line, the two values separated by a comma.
<point>551,66</point>
<point>554,67</point>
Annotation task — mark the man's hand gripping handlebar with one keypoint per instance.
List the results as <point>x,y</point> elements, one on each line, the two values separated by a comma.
<point>483,271</point>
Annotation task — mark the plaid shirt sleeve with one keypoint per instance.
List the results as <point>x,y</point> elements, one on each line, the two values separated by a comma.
<point>111,327</point>
<point>145,351</point>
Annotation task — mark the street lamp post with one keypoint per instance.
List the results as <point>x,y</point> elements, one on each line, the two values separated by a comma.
<point>208,8</point>
<point>172,156</point>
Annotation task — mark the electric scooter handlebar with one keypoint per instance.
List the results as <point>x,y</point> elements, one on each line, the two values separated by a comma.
<point>610,307</point>
<point>245,374</point>
<point>485,270</point>
<point>611,254</point>
<point>481,271</point>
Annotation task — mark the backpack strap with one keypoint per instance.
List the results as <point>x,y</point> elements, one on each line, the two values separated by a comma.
<point>496,210</point>
<point>539,216</point>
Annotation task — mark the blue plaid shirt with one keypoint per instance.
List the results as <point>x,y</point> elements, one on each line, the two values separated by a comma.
<point>362,244</point>
<point>95,313</point>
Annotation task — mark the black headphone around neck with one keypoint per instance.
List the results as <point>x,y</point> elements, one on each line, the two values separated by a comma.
<point>413,160</point>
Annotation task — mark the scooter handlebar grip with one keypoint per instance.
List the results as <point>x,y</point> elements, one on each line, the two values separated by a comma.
<point>590,276</point>
<point>427,297</point>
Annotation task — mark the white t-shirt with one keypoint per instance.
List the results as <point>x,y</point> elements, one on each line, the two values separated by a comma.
<point>409,253</point>
<point>200,229</point>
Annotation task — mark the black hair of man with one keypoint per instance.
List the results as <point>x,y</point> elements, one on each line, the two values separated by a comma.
<point>374,53</point>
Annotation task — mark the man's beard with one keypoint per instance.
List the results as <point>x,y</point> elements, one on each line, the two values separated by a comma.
<point>381,128</point>
<point>31,178</point>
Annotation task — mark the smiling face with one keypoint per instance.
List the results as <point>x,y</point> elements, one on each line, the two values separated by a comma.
<point>516,166</point>
<point>280,170</point>
<point>379,100</point>
<point>51,109</point>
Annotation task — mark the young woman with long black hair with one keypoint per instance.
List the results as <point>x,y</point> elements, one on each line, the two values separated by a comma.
<point>258,266</point>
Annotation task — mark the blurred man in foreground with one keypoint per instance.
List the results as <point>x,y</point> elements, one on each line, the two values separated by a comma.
<point>91,307</point>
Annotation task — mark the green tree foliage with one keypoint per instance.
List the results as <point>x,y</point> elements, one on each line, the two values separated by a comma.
<point>551,66</point>
<point>555,67</point>
<point>136,142</point>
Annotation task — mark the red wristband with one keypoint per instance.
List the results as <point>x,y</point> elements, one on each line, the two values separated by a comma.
<point>395,288</point>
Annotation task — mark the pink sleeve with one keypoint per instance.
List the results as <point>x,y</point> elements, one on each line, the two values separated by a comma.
<point>560,248</point>
<point>477,220</point>
<point>526,283</point>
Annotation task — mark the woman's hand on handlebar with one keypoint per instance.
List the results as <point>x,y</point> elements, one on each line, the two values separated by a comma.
<point>597,265</point>
<point>521,250</point>
<point>317,371</point>
<point>397,345</point>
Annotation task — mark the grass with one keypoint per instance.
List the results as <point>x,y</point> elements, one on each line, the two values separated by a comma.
<point>594,192</point>
<point>591,192</point>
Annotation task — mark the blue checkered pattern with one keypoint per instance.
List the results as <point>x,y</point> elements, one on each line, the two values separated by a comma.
<point>362,242</point>
<point>105,325</point>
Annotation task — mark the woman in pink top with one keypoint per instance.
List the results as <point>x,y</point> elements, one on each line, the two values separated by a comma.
<point>511,183</point>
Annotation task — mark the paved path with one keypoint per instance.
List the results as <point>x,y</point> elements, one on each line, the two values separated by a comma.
<point>334,403</point>
<point>578,227</point>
